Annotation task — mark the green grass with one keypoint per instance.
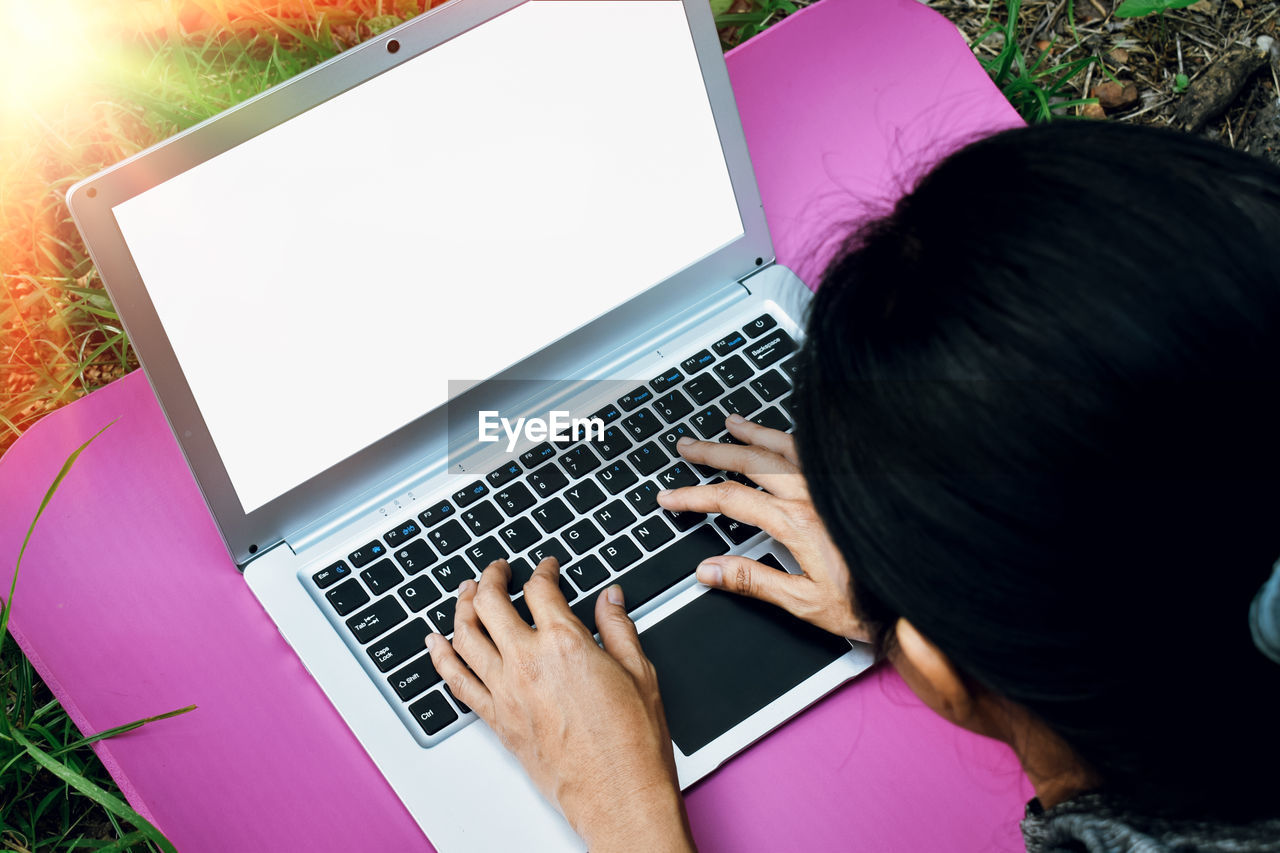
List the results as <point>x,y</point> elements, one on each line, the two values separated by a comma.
<point>60,336</point>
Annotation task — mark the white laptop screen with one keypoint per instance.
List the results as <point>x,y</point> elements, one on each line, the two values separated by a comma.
<point>321,282</point>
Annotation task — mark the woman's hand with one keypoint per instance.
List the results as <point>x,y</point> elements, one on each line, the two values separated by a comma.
<point>822,595</point>
<point>586,723</point>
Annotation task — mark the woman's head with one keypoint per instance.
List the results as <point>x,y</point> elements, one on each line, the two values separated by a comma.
<point>1039,415</point>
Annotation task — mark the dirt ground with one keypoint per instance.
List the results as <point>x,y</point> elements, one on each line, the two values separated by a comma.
<point>1228,50</point>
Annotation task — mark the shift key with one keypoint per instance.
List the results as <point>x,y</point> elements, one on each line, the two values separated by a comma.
<point>660,572</point>
<point>400,645</point>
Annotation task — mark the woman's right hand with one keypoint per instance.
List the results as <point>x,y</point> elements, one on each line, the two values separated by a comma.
<point>822,595</point>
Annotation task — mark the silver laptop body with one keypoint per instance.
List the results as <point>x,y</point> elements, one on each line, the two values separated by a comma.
<point>524,208</point>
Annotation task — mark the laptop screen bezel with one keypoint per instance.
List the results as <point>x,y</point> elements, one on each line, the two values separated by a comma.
<point>350,480</point>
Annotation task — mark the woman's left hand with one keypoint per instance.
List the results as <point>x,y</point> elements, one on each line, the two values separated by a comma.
<point>586,723</point>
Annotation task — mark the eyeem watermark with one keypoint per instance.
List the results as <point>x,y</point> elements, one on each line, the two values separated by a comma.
<point>552,428</point>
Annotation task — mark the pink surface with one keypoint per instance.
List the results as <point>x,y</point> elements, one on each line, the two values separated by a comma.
<point>128,605</point>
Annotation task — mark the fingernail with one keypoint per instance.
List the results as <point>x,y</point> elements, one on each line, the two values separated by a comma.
<point>736,418</point>
<point>684,442</point>
<point>663,493</point>
<point>432,639</point>
<point>615,594</point>
<point>710,573</point>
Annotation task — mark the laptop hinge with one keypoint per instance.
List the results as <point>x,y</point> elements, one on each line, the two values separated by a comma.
<point>761,268</point>
<point>405,490</point>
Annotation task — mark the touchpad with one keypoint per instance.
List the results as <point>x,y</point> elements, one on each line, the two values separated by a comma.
<point>723,657</point>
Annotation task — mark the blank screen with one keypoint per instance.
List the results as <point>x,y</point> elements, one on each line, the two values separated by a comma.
<point>323,281</point>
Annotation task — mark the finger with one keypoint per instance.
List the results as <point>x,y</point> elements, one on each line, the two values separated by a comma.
<point>754,580</point>
<point>469,636</point>
<point>734,500</point>
<point>542,592</point>
<point>465,684</point>
<point>763,466</point>
<point>493,605</point>
<point>774,440</point>
<point>618,633</point>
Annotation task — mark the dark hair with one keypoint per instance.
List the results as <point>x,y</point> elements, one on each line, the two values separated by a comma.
<point>1038,411</point>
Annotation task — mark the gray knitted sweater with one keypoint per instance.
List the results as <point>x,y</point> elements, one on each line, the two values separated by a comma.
<point>1092,823</point>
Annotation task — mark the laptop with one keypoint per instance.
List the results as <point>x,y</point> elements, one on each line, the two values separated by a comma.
<point>499,212</point>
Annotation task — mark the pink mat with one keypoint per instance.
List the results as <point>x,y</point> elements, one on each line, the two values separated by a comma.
<point>128,605</point>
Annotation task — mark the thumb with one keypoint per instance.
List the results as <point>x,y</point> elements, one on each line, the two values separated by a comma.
<point>752,579</point>
<point>617,631</point>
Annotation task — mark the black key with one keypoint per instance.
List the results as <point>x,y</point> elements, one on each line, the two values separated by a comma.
<point>521,571</point>
<point>669,379</point>
<point>697,361</point>
<point>587,573</point>
<point>515,499</point>
<point>620,553</point>
<point>482,518</point>
<point>485,552</point>
<point>436,514</point>
<point>643,498</point>
<point>441,615</point>
<point>419,593</point>
<point>737,531</point>
<point>791,367</point>
<point>709,422</point>
<point>672,437</point>
<point>739,477</point>
<point>548,481</point>
<point>584,496</point>
<point>673,406</point>
<point>381,576</point>
<point>729,438</point>
<point>759,326</point>
<point>462,706</point>
<point>771,385</point>
<point>376,620</point>
<point>534,458</point>
<point>550,548</point>
<point>647,458</point>
<point>615,441</point>
<point>403,533</point>
<point>661,571</point>
<point>433,712</point>
<point>330,575</point>
<point>608,414</point>
<point>729,343</point>
<point>346,597</point>
<point>521,605</point>
<point>653,533</point>
<point>614,517</point>
<point>682,521</point>
<point>642,424</point>
<point>704,389</point>
<point>470,494</point>
<point>400,645</point>
<point>677,477</point>
<point>579,461</point>
<point>616,477</point>
<point>770,349</point>
<point>414,678</point>
<point>740,402</point>
<point>503,475</point>
<point>773,418</point>
<point>362,557</point>
<point>733,371</point>
<point>452,572</point>
<point>449,537</point>
<point>519,534</point>
<point>638,397</point>
<point>552,515</point>
<point>583,536</point>
<point>785,405</point>
<point>567,590</point>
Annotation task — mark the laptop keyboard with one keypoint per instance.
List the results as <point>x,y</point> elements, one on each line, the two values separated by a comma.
<point>590,503</point>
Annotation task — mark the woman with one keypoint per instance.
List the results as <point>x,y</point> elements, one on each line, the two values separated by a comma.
<point>1037,416</point>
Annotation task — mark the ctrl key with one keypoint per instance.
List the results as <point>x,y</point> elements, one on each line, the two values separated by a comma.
<point>433,712</point>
